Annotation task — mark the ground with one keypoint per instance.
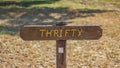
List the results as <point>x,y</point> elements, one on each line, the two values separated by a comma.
<point>102,53</point>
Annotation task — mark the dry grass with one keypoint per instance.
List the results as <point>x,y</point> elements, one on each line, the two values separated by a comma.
<point>102,53</point>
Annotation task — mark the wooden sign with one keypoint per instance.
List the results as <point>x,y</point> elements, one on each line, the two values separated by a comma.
<point>61,32</point>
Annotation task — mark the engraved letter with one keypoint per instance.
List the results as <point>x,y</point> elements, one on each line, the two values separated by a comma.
<point>79,32</point>
<point>66,32</point>
<point>48,33</point>
<point>55,33</point>
<point>73,32</point>
<point>60,33</point>
<point>42,32</point>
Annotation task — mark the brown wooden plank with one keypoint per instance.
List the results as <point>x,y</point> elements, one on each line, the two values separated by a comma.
<point>61,32</point>
<point>61,56</point>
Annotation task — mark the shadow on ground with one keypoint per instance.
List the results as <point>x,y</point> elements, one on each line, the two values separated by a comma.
<point>18,17</point>
<point>26,3</point>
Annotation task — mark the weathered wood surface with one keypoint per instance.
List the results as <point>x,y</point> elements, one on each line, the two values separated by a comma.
<point>61,32</point>
<point>61,57</point>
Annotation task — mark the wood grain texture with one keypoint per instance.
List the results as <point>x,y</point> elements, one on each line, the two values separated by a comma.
<point>61,57</point>
<point>63,32</point>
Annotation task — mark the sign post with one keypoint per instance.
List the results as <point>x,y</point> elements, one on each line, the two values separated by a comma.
<point>61,33</point>
<point>61,50</point>
<point>61,53</point>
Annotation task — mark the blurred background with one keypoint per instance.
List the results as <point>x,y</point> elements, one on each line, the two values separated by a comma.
<point>17,53</point>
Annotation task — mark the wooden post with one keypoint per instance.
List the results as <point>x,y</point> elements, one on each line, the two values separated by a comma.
<point>61,53</point>
<point>61,50</point>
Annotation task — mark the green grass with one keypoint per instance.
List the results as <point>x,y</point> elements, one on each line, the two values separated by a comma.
<point>72,4</point>
<point>26,3</point>
<point>109,0</point>
<point>117,4</point>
